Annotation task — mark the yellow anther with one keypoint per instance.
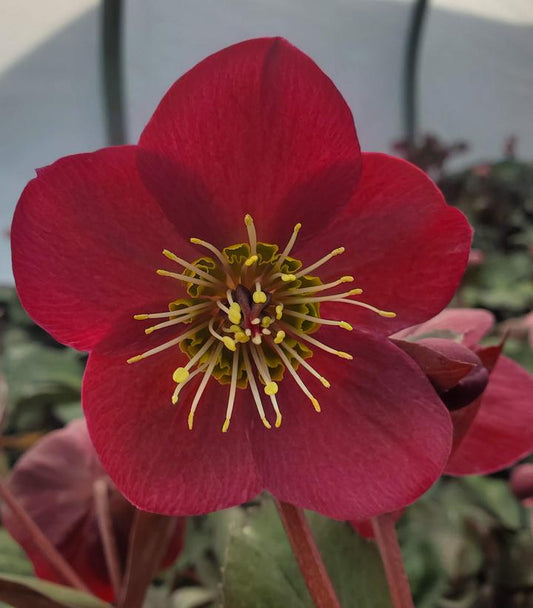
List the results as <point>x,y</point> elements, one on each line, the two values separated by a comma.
<point>343,355</point>
<point>251,260</point>
<point>297,228</point>
<point>135,359</point>
<point>355,292</point>
<point>180,375</point>
<point>278,420</point>
<point>241,337</point>
<point>234,314</point>
<point>267,321</point>
<point>338,251</point>
<point>324,382</point>
<point>195,241</point>
<point>271,388</point>
<point>259,297</point>
<point>346,279</point>
<point>286,278</point>
<point>280,336</point>
<point>248,220</point>
<point>190,420</point>
<point>149,330</point>
<point>279,311</point>
<point>315,403</point>
<point>265,422</point>
<point>345,325</point>
<point>141,317</point>
<point>235,328</point>
<point>229,343</point>
<point>174,399</point>
<point>225,426</point>
<point>384,313</point>
<point>171,256</point>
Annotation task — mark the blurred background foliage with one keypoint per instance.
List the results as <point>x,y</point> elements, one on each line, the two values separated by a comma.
<point>467,543</point>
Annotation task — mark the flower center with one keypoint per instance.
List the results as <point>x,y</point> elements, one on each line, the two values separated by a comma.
<point>248,319</point>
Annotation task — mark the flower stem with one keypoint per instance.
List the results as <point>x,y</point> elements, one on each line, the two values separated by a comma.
<point>149,539</point>
<point>47,549</point>
<point>385,532</point>
<point>305,550</point>
<point>105,526</point>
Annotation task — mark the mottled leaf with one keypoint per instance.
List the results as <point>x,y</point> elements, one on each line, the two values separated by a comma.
<point>26,592</point>
<point>261,571</point>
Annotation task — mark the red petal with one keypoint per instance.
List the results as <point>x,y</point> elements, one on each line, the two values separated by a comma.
<point>87,239</point>
<point>54,482</point>
<point>462,420</point>
<point>444,369</point>
<point>489,355</point>
<point>382,438</point>
<point>472,323</point>
<point>146,447</point>
<point>59,498</point>
<point>255,128</point>
<point>502,431</point>
<point>405,246</point>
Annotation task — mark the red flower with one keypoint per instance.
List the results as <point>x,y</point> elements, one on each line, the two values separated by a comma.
<point>254,129</point>
<point>54,482</point>
<point>495,429</point>
<point>488,394</point>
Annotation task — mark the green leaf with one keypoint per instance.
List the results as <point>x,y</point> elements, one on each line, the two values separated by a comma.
<point>10,303</point>
<point>37,374</point>
<point>23,592</point>
<point>261,571</point>
<point>67,412</point>
<point>192,597</point>
<point>441,549</point>
<point>353,563</point>
<point>206,544</point>
<point>495,497</point>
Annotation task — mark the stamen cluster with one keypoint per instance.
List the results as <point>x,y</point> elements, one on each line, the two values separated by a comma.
<point>251,312</point>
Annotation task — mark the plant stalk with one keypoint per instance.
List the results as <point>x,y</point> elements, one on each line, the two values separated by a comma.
<point>112,76</point>
<point>49,552</point>
<point>306,552</point>
<point>410,77</point>
<point>105,526</point>
<point>384,527</point>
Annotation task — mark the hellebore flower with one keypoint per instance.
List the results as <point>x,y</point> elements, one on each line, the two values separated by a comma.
<point>220,397</point>
<point>54,482</point>
<point>489,395</point>
<point>493,426</point>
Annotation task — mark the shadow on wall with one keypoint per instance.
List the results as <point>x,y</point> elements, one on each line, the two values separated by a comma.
<point>476,80</point>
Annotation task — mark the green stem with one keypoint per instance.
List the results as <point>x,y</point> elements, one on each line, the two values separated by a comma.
<point>411,69</point>
<point>111,58</point>
<point>305,550</point>
<point>387,540</point>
